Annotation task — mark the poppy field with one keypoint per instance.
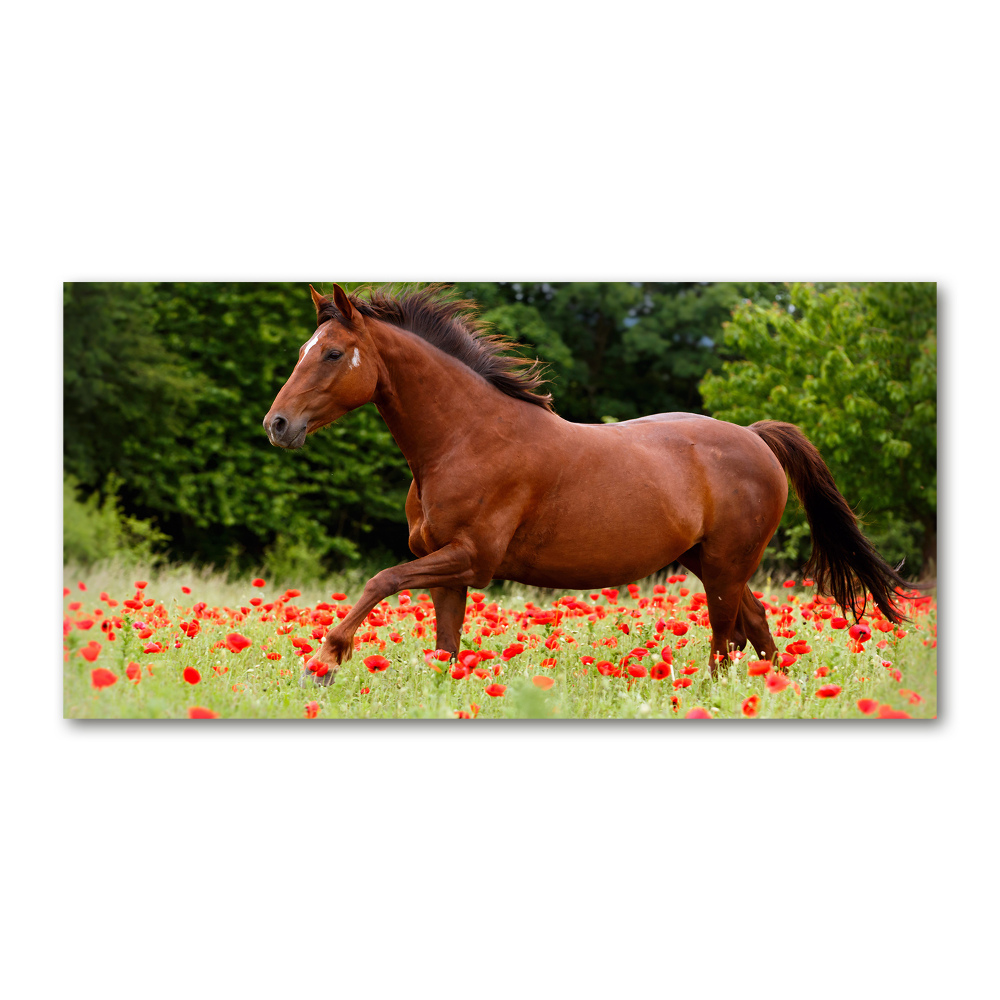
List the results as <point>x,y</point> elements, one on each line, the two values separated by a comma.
<point>154,649</point>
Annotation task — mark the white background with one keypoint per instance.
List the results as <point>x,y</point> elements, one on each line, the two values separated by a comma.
<point>767,141</point>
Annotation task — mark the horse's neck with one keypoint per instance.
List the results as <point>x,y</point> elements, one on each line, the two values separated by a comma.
<point>427,397</point>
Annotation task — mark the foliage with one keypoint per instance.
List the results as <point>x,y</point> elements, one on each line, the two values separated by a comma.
<point>618,349</point>
<point>166,385</point>
<point>95,529</point>
<point>855,368</point>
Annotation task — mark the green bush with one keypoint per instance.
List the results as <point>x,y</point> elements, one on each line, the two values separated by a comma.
<point>95,529</point>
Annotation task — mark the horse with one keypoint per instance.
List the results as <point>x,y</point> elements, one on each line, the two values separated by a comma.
<point>505,489</point>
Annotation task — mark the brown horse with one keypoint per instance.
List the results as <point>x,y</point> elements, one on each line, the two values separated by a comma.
<point>503,488</point>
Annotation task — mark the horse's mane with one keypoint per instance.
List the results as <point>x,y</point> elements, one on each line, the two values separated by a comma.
<point>453,326</point>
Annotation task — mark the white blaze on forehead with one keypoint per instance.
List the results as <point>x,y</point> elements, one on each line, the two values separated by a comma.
<point>311,342</point>
<point>356,359</point>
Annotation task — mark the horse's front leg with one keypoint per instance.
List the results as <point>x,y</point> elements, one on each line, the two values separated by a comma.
<point>455,567</point>
<point>449,613</point>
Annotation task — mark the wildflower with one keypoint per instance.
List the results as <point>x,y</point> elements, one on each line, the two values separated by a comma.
<point>751,706</point>
<point>821,672</point>
<point>789,583</point>
<point>867,705</point>
<point>659,671</point>
<point>91,651</point>
<point>101,677</point>
<point>860,631</point>
<point>133,672</point>
<point>152,647</point>
<point>191,675</point>
<point>828,691</point>
<point>785,660</point>
<point>608,669</point>
<point>235,642</point>
<point>886,712</point>
<point>312,707</point>
<point>140,584</point>
<point>697,713</point>
<point>197,712</point>
<point>258,582</point>
<point>682,682</point>
<point>758,668</point>
<point>911,696</point>
<point>838,623</point>
<point>376,663</point>
<point>496,690</point>
<point>339,597</point>
<point>776,682</point>
<point>637,670</point>
<point>543,682</point>
<point>185,590</point>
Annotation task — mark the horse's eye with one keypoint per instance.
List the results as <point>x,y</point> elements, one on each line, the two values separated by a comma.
<point>334,355</point>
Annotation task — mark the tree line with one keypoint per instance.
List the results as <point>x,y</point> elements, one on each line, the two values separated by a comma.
<point>166,383</point>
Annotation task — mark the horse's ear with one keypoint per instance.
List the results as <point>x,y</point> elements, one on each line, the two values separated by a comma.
<point>343,303</point>
<point>317,298</point>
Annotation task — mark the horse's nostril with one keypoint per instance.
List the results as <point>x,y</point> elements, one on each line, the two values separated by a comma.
<point>278,424</point>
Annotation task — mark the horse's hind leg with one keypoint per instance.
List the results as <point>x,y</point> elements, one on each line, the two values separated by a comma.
<point>753,618</point>
<point>738,640</point>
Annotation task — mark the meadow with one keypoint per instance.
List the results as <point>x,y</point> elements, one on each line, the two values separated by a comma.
<point>176,643</point>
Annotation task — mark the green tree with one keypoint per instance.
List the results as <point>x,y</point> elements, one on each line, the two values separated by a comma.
<point>165,387</point>
<point>618,349</point>
<point>856,368</point>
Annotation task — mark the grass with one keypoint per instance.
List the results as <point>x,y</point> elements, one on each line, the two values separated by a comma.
<point>563,629</point>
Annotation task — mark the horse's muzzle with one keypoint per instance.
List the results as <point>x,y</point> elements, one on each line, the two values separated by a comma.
<point>283,434</point>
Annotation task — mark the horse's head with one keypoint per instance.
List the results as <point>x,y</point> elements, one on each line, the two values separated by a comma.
<point>337,371</point>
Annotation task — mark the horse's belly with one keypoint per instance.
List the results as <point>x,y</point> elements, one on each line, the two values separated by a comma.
<point>581,542</point>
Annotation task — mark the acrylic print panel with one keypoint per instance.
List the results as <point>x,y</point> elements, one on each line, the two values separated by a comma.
<point>544,500</point>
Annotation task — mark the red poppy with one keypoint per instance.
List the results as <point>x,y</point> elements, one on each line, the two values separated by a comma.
<point>235,642</point>
<point>860,632</point>
<point>682,682</point>
<point>751,706</point>
<point>828,691</point>
<point>366,691</point>
<point>786,659</point>
<point>543,682</point>
<point>133,672</point>
<point>660,671</point>
<point>91,651</point>
<point>758,668</point>
<point>514,649</point>
<point>838,623</point>
<point>140,584</point>
<point>678,628</point>
<point>608,669</point>
<point>312,707</point>
<point>799,648</point>
<point>867,705</point>
<point>496,690</point>
<point>152,647</point>
<point>469,659</point>
<point>776,682</point>
<point>885,712</point>
<point>191,675</point>
<point>101,677</point>
<point>458,672</point>
<point>911,696</point>
<point>822,672</point>
<point>197,712</point>
<point>82,585</point>
<point>339,597</point>
<point>788,583</point>
<point>258,582</point>
<point>698,713</point>
<point>637,670</point>
<point>185,590</point>
<point>690,670</point>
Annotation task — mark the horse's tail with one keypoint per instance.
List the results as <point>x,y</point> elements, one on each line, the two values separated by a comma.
<point>843,562</point>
